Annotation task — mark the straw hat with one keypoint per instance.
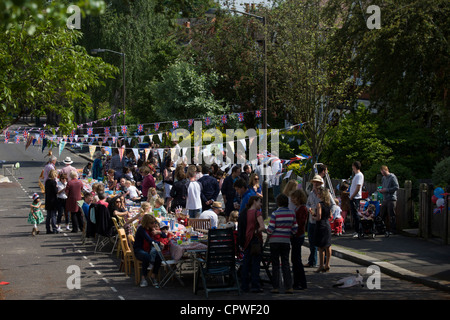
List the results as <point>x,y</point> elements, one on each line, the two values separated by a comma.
<point>317,178</point>
<point>217,205</point>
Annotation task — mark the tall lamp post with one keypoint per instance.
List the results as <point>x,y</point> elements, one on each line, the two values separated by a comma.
<point>95,51</point>
<point>211,12</point>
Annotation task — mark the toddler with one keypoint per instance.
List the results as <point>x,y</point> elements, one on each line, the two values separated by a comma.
<point>35,216</point>
<point>336,219</point>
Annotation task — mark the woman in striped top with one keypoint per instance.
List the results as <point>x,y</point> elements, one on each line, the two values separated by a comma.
<point>282,226</point>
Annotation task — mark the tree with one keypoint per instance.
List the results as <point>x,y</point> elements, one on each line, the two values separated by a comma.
<point>46,73</point>
<point>184,93</point>
<point>310,78</point>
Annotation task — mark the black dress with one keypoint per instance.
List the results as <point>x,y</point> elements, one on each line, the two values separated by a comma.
<point>323,228</point>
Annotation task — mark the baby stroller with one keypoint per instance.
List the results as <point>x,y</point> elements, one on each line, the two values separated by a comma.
<point>372,226</point>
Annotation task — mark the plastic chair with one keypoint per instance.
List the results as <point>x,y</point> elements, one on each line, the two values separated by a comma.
<point>220,261</point>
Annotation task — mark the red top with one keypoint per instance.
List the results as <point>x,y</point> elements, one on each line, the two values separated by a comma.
<point>252,225</point>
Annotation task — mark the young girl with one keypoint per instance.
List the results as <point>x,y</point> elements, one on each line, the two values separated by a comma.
<point>336,219</point>
<point>143,210</point>
<point>35,217</point>
<point>159,210</point>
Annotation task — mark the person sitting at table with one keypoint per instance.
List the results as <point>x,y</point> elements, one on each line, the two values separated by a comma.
<point>145,252</point>
<point>212,214</point>
<point>143,210</point>
<point>159,210</point>
<point>152,196</point>
<point>163,235</point>
<point>111,181</point>
<point>133,193</point>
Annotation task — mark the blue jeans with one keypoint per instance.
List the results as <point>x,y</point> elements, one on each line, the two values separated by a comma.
<point>280,251</point>
<point>297,266</point>
<point>147,258</point>
<point>194,213</point>
<point>250,265</point>
<point>312,259</point>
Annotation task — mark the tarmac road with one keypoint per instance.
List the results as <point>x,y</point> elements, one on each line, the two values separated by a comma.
<point>37,267</point>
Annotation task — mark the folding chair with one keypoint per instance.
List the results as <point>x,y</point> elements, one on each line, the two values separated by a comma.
<point>220,261</point>
<point>266,261</point>
<point>171,267</point>
<point>104,229</point>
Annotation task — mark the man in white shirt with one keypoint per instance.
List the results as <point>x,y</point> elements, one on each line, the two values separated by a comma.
<point>356,194</point>
<point>213,213</point>
<point>193,198</point>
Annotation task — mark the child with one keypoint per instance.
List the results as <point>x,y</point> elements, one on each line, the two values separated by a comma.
<point>336,219</point>
<point>35,216</point>
<point>143,210</point>
<point>345,202</point>
<point>163,235</point>
<point>233,220</point>
<point>159,210</point>
<point>133,193</point>
<point>369,213</point>
<point>152,196</point>
<point>87,170</point>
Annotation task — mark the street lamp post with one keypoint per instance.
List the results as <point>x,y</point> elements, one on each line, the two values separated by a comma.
<point>95,51</point>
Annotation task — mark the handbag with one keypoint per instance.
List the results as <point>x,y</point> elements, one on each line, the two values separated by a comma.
<point>255,248</point>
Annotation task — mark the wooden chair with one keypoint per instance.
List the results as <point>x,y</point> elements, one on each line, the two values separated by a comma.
<point>127,255</point>
<point>200,224</point>
<point>220,261</point>
<point>117,226</point>
<point>137,263</point>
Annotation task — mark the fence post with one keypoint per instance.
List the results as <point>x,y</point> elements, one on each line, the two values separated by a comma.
<point>425,208</point>
<point>409,212</point>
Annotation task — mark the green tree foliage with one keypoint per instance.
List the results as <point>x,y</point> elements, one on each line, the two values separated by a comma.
<point>46,73</point>
<point>184,93</point>
<point>356,138</point>
<point>310,78</point>
<point>231,46</point>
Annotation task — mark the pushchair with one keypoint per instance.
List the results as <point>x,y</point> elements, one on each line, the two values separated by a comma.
<point>373,226</point>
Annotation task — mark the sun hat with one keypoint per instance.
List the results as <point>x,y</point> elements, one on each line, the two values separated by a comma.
<point>217,205</point>
<point>68,160</point>
<point>317,178</point>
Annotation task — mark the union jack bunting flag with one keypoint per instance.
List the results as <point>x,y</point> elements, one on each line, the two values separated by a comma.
<point>208,121</point>
<point>107,132</point>
<point>258,113</point>
<point>224,118</point>
<point>25,134</point>
<point>124,129</point>
<point>175,124</point>
<point>140,128</point>
<point>190,122</point>
<point>157,126</point>
<point>89,131</point>
<point>17,139</point>
<point>42,134</point>
<point>241,116</point>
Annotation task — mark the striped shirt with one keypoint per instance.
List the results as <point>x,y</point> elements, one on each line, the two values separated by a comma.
<point>282,226</point>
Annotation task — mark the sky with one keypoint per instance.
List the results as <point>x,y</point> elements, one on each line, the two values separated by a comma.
<point>240,3</point>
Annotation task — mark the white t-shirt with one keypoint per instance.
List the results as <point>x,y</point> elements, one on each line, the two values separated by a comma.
<point>193,199</point>
<point>209,214</point>
<point>133,193</point>
<point>358,179</point>
<point>61,186</point>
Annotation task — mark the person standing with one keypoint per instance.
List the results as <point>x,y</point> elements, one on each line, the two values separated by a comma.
<point>229,192</point>
<point>254,227</point>
<point>48,167</point>
<point>356,195</point>
<point>193,198</point>
<point>97,167</point>
<point>282,226</point>
<point>68,168</point>
<point>147,183</point>
<point>62,198</point>
<point>323,229</point>
<point>298,198</point>
<point>389,187</point>
<point>210,188</point>
<point>74,190</point>
<point>51,202</point>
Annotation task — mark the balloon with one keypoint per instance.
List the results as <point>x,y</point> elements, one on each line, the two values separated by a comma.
<point>434,199</point>
<point>438,192</point>
<point>440,202</point>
